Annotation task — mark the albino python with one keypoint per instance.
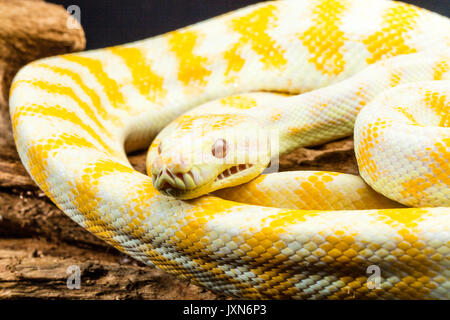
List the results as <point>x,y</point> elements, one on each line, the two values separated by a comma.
<point>302,71</point>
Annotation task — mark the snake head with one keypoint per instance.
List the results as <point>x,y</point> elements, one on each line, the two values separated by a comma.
<point>198,154</point>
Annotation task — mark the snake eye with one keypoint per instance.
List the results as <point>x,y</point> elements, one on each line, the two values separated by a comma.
<point>159,147</point>
<point>219,148</point>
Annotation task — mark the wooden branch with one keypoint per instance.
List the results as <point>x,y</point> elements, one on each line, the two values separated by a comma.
<point>336,156</point>
<point>30,30</point>
<point>35,268</point>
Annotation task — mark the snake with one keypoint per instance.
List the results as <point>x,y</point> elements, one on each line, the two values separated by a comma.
<point>217,103</point>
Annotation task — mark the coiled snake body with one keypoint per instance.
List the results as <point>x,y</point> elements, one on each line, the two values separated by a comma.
<point>312,66</point>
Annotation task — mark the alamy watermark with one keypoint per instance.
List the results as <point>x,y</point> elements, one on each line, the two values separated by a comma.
<point>74,21</point>
<point>249,145</point>
<point>374,281</point>
<point>74,277</point>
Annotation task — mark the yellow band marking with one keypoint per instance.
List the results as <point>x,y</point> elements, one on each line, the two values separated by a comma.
<point>38,154</point>
<point>404,111</point>
<point>145,79</point>
<point>239,102</point>
<point>324,40</point>
<point>63,114</point>
<point>368,140</point>
<point>209,123</point>
<point>441,68</point>
<point>440,105</point>
<point>407,217</point>
<point>110,86</point>
<point>192,68</point>
<point>86,198</point>
<point>391,39</point>
<point>253,29</point>
<point>68,92</point>
<point>95,98</point>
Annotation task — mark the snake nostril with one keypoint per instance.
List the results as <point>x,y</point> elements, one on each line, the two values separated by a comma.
<point>160,148</point>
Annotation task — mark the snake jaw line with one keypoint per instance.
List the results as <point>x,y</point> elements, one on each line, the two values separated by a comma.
<point>233,170</point>
<point>181,184</point>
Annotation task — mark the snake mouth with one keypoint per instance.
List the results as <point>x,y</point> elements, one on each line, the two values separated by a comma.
<point>233,170</point>
<point>174,184</point>
<point>178,184</point>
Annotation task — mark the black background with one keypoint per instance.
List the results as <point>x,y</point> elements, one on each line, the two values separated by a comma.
<point>111,22</point>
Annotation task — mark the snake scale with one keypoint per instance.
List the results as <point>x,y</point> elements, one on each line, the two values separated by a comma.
<point>309,70</point>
